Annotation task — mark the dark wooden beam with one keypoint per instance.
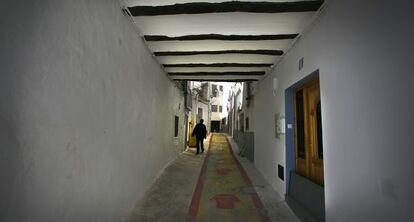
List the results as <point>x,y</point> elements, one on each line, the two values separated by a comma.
<point>188,53</point>
<point>253,73</point>
<point>217,80</point>
<point>219,37</point>
<point>185,65</point>
<point>222,7</point>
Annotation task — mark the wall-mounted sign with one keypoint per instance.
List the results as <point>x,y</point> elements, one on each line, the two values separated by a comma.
<point>279,125</point>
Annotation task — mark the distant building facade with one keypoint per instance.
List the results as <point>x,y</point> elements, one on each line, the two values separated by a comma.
<point>219,92</point>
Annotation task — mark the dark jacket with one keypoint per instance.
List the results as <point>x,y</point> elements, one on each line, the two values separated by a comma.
<point>200,131</point>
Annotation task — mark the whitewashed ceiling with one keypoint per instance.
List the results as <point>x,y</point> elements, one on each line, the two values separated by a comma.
<point>220,40</point>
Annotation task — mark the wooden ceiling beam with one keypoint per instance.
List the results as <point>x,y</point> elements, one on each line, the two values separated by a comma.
<point>195,65</point>
<point>151,38</point>
<point>217,80</point>
<point>252,73</point>
<point>223,7</point>
<point>188,53</point>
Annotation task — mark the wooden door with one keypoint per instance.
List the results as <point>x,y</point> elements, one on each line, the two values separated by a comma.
<point>308,132</point>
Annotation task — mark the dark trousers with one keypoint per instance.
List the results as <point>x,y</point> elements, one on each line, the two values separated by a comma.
<point>200,143</point>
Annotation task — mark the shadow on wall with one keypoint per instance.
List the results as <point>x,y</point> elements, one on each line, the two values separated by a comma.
<point>10,163</point>
<point>245,142</point>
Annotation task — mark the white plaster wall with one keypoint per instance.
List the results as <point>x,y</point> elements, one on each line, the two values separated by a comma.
<point>205,113</point>
<point>215,116</point>
<point>363,51</point>
<point>193,112</point>
<point>86,114</point>
<point>205,117</point>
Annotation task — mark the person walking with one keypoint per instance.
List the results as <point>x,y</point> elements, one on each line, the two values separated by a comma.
<point>200,132</point>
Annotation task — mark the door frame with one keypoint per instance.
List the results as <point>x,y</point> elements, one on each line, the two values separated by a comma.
<point>290,161</point>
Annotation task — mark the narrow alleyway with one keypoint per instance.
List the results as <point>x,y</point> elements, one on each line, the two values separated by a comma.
<point>99,100</point>
<point>216,186</point>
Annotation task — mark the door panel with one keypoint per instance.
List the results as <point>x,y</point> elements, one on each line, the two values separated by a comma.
<point>300,140</point>
<point>316,164</point>
<point>308,132</point>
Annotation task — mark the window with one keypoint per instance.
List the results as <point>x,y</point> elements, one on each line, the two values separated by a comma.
<point>220,109</point>
<point>223,121</point>
<point>214,90</point>
<point>213,108</point>
<point>241,120</point>
<point>176,126</point>
<point>221,88</point>
<point>247,123</point>
<point>199,114</point>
